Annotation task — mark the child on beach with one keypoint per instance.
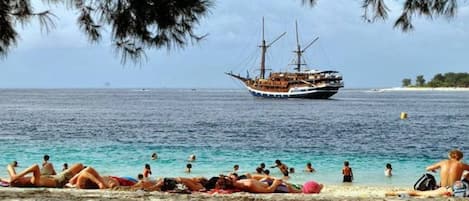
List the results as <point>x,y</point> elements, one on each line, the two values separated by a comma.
<point>188,168</point>
<point>65,167</point>
<point>146,171</point>
<point>347,172</point>
<point>292,170</point>
<point>388,170</point>
<point>309,167</point>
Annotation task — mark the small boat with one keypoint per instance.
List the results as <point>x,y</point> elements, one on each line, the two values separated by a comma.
<point>302,83</point>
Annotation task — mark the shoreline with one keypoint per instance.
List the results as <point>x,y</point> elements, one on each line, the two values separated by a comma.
<point>421,89</point>
<point>329,193</point>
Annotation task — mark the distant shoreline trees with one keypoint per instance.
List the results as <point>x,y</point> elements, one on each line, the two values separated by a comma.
<point>440,80</point>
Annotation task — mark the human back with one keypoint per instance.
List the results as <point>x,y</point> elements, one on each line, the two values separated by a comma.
<point>451,170</point>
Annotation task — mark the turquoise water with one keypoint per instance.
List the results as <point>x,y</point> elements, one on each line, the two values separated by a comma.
<point>117,130</point>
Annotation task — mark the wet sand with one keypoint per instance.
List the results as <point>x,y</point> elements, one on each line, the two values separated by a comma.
<point>328,193</point>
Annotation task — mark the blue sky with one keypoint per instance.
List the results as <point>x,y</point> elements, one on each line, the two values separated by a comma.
<point>367,55</point>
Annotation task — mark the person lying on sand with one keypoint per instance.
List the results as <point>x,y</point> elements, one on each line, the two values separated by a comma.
<point>36,180</point>
<point>169,184</point>
<point>248,185</point>
<point>442,191</point>
<point>89,178</point>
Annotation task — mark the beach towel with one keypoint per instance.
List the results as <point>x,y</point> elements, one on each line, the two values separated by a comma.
<point>123,181</point>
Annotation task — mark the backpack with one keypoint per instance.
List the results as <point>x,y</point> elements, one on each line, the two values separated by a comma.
<point>460,189</point>
<point>425,183</point>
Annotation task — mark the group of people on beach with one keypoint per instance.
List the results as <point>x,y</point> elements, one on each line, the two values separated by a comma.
<point>82,177</point>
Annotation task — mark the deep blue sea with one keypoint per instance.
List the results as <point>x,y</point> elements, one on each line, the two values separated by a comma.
<point>117,130</point>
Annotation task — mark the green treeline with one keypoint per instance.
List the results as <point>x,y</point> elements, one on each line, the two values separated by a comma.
<point>439,80</point>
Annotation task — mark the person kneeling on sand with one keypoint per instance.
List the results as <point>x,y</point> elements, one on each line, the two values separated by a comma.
<point>59,181</point>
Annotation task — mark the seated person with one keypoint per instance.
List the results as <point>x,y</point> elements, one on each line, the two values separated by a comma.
<point>451,169</point>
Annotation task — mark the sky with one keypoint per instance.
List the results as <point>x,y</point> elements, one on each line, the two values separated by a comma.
<point>368,55</point>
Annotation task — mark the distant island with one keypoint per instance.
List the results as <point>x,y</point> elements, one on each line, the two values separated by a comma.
<point>448,80</point>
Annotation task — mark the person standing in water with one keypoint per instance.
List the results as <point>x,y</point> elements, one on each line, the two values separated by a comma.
<point>282,167</point>
<point>146,171</point>
<point>347,172</point>
<point>388,170</point>
<point>65,167</point>
<point>47,167</point>
<point>309,167</point>
<point>191,158</point>
<point>235,168</point>
<point>154,156</point>
<point>188,168</point>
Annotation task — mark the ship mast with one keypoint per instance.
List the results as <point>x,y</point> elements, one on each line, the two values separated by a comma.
<point>299,52</point>
<point>264,47</point>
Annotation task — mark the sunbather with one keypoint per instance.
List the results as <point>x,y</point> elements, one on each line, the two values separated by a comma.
<point>37,180</point>
<point>247,185</point>
<point>89,178</point>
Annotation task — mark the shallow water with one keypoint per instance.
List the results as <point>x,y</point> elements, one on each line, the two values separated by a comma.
<point>116,130</point>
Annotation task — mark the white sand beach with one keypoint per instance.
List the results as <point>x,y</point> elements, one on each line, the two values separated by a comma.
<point>328,193</point>
<point>422,89</point>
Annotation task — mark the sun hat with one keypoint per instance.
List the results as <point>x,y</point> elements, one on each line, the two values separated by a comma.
<point>311,187</point>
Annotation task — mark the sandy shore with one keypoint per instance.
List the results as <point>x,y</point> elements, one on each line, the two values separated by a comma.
<point>423,89</point>
<point>329,193</point>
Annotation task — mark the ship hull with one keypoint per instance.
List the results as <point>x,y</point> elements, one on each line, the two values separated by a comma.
<point>311,93</point>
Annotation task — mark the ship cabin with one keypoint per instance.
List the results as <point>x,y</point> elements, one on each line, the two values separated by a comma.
<point>283,81</point>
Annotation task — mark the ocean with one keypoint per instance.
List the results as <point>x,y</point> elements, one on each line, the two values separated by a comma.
<point>117,130</point>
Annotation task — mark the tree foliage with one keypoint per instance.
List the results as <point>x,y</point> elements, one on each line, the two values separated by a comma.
<point>406,82</point>
<point>419,81</point>
<point>377,10</point>
<point>136,24</point>
<point>439,80</point>
<point>450,80</point>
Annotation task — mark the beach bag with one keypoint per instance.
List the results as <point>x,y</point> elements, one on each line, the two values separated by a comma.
<point>169,184</point>
<point>460,189</point>
<point>425,183</point>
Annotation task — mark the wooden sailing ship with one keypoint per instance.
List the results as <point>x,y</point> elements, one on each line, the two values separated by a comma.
<point>301,83</point>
